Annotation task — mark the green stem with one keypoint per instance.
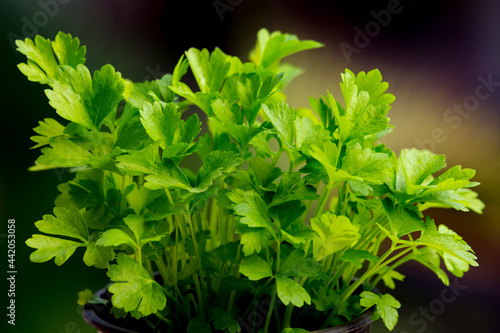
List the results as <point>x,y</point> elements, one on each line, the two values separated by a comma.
<point>213,225</point>
<point>288,316</point>
<point>233,292</point>
<point>175,300</point>
<point>183,105</point>
<point>292,164</point>
<point>198,259</point>
<point>306,211</point>
<point>337,274</point>
<point>339,149</point>
<point>323,199</point>
<point>270,311</point>
<point>139,254</point>
<point>201,305</point>
<point>175,261</point>
<point>122,196</point>
<point>381,263</point>
<point>393,267</point>
<point>367,239</point>
<point>223,226</point>
<point>345,295</point>
<point>340,199</point>
<point>277,156</point>
<point>278,254</point>
<point>150,324</point>
<point>164,319</point>
<point>162,268</point>
<point>149,268</point>
<point>169,196</point>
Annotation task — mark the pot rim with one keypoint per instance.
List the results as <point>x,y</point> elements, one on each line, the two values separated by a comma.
<point>94,320</point>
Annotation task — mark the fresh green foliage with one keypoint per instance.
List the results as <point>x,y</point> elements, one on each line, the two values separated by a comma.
<point>386,306</point>
<point>332,234</point>
<point>134,291</point>
<point>302,210</point>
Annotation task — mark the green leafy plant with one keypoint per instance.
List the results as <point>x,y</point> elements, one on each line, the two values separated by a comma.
<point>303,209</point>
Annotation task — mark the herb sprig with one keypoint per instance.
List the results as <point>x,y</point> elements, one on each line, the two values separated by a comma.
<point>289,205</point>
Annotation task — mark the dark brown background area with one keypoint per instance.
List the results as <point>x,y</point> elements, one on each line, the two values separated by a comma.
<point>431,53</point>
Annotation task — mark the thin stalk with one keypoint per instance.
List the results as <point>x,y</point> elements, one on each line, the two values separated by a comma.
<point>288,315</point>
<point>164,319</point>
<point>163,269</point>
<point>201,305</point>
<point>391,268</point>
<point>292,164</point>
<point>278,253</point>
<point>150,324</point>
<point>248,310</point>
<point>270,311</point>
<point>139,254</point>
<point>175,300</point>
<point>223,226</point>
<point>337,274</point>
<point>232,297</point>
<point>233,292</point>
<point>169,196</point>
<point>149,268</point>
<point>341,199</point>
<point>220,276</point>
<point>213,225</point>
<point>367,239</point>
<point>334,260</point>
<point>175,261</point>
<point>345,295</point>
<point>230,222</point>
<point>306,211</point>
<point>382,262</point>
<point>122,196</point>
<point>277,157</point>
<point>198,258</point>
<point>323,199</point>
<point>339,149</point>
<point>184,104</point>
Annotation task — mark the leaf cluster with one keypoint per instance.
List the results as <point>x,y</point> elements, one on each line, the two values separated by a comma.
<point>300,209</point>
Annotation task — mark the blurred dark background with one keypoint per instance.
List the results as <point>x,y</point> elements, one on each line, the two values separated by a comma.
<point>434,54</point>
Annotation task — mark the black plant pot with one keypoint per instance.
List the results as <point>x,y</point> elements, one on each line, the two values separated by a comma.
<point>98,316</point>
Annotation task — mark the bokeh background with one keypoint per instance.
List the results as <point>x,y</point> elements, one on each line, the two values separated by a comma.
<point>433,54</point>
